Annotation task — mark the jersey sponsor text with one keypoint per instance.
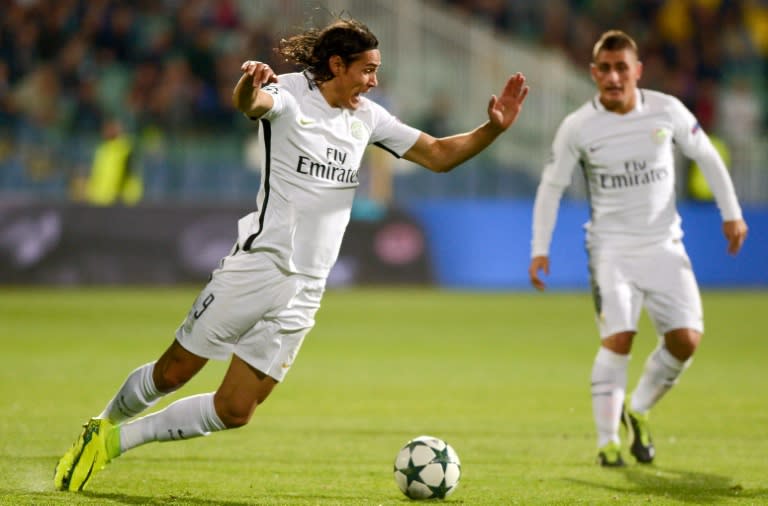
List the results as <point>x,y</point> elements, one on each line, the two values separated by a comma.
<point>328,170</point>
<point>637,177</point>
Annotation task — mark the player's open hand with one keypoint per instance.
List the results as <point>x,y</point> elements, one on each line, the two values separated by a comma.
<point>735,232</point>
<point>504,109</point>
<point>260,73</point>
<point>539,263</point>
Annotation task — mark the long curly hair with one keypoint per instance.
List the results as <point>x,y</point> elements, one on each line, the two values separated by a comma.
<point>311,49</point>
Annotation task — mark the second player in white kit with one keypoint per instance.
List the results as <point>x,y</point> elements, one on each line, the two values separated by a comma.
<point>623,142</point>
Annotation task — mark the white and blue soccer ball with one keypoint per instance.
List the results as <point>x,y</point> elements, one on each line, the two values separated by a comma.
<point>427,468</point>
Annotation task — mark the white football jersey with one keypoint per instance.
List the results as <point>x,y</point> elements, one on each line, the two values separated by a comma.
<point>628,163</point>
<point>309,172</point>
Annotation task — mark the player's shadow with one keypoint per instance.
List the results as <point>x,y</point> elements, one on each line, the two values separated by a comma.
<point>679,485</point>
<point>162,500</point>
<point>191,501</point>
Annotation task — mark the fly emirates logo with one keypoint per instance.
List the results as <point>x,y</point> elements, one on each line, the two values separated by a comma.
<point>332,170</point>
<point>636,173</point>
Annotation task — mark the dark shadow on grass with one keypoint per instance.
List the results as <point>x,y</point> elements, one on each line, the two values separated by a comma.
<point>648,482</point>
<point>164,499</point>
<point>193,501</point>
<point>142,499</point>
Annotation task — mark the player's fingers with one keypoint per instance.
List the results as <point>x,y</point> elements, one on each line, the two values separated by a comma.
<point>261,73</point>
<point>735,243</point>
<point>515,85</point>
<point>533,275</point>
<point>523,94</point>
<point>514,82</point>
<point>249,66</point>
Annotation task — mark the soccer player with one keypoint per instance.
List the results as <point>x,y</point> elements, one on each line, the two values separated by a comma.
<point>624,140</point>
<point>261,301</point>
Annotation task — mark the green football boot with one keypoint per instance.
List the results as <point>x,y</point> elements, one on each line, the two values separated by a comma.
<point>639,431</point>
<point>610,456</point>
<point>96,446</point>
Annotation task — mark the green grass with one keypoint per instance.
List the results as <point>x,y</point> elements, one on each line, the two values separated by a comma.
<point>504,377</point>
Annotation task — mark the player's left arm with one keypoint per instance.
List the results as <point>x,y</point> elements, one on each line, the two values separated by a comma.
<point>735,232</point>
<point>695,144</point>
<point>714,170</point>
<point>445,153</point>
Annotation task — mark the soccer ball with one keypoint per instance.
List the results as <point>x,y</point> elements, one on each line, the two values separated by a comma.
<point>427,468</point>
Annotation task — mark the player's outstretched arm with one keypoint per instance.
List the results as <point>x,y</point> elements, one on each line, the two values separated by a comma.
<point>443,154</point>
<point>247,96</point>
<point>735,232</point>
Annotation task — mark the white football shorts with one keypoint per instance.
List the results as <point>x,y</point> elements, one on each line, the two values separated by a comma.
<point>255,310</point>
<point>657,276</point>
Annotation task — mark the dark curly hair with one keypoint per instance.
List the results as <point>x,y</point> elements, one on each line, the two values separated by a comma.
<point>346,38</point>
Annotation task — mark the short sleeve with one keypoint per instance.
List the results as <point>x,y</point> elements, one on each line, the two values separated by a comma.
<point>390,133</point>
<point>279,96</point>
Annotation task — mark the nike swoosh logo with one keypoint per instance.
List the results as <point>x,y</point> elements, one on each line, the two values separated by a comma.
<point>592,149</point>
<point>305,122</point>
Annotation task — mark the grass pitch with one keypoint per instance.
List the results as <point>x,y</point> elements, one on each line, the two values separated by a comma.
<point>503,377</point>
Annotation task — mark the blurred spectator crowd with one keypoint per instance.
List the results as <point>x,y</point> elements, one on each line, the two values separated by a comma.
<point>712,54</point>
<point>66,64</point>
<point>162,68</point>
<point>167,67</point>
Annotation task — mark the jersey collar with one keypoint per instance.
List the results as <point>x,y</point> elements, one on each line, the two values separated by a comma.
<point>639,101</point>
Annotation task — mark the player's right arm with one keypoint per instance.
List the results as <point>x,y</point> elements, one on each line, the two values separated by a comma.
<point>248,96</point>
<point>554,180</point>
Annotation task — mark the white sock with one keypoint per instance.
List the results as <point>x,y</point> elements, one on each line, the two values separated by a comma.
<point>609,382</point>
<point>137,394</point>
<point>186,418</point>
<point>660,374</point>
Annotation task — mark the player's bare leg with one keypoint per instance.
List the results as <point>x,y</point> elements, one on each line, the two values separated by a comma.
<point>148,383</point>
<point>241,391</point>
<point>231,406</point>
<point>176,367</point>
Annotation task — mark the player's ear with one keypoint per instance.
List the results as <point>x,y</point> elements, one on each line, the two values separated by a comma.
<point>593,71</point>
<point>336,64</point>
<point>639,71</point>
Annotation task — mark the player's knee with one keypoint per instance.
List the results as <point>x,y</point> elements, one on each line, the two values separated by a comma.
<point>682,343</point>
<point>620,342</point>
<point>234,415</point>
<point>233,410</point>
<point>235,422</point>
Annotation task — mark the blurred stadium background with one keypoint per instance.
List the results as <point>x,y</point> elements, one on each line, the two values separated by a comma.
<point>165,70</point>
